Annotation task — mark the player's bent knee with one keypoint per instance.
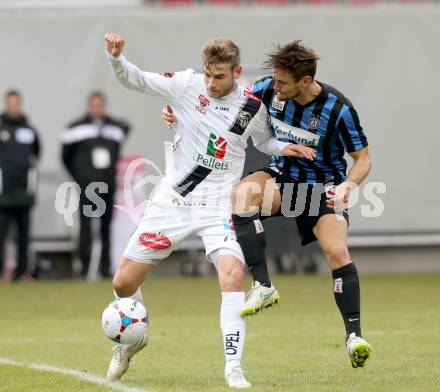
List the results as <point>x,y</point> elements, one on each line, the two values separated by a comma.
<point>337,254</point>
<point>232,280</point>
<point>123,287</point>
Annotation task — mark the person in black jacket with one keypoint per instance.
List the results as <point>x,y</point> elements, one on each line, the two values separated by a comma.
<point>91,147</point>
<point>19,153</point>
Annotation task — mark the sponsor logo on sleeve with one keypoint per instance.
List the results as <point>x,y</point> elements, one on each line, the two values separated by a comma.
<point>248,93</point>
<point>167,74</point>
<point>244,118</point>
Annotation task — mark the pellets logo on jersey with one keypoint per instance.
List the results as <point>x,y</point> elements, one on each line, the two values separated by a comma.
<point>158,241</point>
<point>167,74</point>
<point>215,154</point>
<point>314,123</point>
<point>216,146</point>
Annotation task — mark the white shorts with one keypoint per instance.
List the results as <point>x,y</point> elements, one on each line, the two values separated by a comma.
<point>164,226</point>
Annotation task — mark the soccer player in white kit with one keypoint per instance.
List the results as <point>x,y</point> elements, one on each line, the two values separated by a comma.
<point>215,118</point>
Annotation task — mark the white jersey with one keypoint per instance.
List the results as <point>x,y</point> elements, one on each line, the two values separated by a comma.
<point>207,157</point>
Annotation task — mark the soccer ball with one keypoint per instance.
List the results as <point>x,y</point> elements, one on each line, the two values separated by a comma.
<point>125,321</point>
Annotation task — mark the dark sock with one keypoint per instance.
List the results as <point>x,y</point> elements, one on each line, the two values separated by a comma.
<point>252,239</point>
<point>347,296</point>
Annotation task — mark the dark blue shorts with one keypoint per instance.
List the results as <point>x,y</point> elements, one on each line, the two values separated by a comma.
<point>304,202</point>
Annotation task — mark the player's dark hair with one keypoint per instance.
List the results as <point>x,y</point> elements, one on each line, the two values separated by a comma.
<point>221,50</point>
<point>13,93</point>
<point>295,58</point>
<point>97,94</point>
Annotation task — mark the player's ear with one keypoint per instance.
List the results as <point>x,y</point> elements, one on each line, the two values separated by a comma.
<point>307,80</point>
<point>237,71</point>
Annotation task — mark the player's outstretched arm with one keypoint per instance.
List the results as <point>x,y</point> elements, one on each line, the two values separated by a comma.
<point>128,74</point>
<point>267,143</point>
<point>167,86</point>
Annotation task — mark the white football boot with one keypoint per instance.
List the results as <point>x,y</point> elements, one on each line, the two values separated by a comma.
<point>358,350</point>
<point>235,378</point>
<point>258,298</point>
<point>121,358</point>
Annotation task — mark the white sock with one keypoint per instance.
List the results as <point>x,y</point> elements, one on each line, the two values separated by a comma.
<point>136,296</point>
<point>233,328</point>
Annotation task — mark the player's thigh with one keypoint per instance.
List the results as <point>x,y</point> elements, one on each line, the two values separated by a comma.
<point>161,230</point>
<point>130,274</point>
<point>257,190</point>
<point>331,231</point>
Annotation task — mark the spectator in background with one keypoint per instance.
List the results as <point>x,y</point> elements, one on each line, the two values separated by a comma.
<point>19,153</point>
<point>91,147</point>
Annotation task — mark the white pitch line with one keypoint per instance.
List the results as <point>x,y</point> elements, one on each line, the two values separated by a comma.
<point>64,340</point>
<point>88,377</point>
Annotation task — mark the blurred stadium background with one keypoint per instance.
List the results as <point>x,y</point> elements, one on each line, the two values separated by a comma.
<point>382,54</point>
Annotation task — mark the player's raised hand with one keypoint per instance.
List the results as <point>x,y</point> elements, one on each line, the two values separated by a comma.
<point>299,151</point>
<point>115,44</point>
<point>168,116</point>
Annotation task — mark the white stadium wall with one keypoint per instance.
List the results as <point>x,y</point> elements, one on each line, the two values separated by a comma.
<point>384,58</point>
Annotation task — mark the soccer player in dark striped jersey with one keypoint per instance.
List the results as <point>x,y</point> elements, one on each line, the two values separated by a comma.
<point>308,112</point>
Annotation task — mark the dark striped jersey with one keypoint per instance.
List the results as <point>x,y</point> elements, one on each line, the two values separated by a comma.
<point>328,124</point>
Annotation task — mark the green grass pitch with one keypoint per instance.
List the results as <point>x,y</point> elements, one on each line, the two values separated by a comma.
<point>296,346</point>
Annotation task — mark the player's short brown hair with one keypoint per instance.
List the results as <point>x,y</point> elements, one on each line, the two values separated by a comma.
<point>221,50</point>
<point>295,58</point>
<point>13,93</point>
